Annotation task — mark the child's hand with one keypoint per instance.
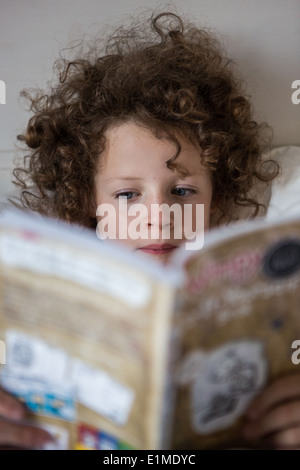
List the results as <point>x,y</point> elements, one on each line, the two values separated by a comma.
<point>274,415</point>
<point>15,433</point>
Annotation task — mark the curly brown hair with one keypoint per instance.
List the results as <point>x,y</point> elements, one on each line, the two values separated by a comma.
<point>170,78</point>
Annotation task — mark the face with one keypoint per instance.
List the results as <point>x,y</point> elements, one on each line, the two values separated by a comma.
<point>137,189</point>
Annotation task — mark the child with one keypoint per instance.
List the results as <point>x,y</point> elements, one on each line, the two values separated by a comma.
<point>159,117</point>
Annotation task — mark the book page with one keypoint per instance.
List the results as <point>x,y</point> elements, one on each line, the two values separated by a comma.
<point>86,338</point>
<point>239,322</point>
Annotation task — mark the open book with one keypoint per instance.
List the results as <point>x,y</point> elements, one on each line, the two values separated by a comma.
<point>112,351</point>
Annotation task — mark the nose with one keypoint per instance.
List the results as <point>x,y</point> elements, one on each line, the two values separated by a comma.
<point>159,214</point>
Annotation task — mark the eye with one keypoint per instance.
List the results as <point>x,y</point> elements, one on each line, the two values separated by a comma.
<point>127,195</point>
<point>183,192</point>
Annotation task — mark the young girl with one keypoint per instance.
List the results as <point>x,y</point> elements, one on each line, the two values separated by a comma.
<point>158,117</point>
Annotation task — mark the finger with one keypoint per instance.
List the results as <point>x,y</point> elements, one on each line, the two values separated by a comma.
<point>11,407</point>
<point>23,435</point>
<point>277,419</point>
<point>283,389</point>
<point>286,439</point>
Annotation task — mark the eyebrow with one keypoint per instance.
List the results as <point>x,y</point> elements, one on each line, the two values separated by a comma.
<point>122,178</point>
<point>136,178</point>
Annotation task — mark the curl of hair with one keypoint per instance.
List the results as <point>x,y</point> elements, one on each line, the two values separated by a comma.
<point>166,75</point>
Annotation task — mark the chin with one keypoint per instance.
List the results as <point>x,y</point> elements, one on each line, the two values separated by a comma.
<point>161,258</point>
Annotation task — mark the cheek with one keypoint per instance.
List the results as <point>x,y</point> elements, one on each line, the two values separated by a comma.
<point>207,216</point>
<point>196,218</point>
<point>123,224</point>
<point>114,225</point>
<point>106,223</point>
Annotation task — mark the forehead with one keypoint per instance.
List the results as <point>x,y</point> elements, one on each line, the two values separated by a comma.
<point>129,143</point>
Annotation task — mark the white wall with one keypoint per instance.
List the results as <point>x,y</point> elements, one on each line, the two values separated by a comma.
<point>262,35</point>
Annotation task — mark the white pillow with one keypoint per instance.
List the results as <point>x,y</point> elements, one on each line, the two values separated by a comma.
<point>285,190</point>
